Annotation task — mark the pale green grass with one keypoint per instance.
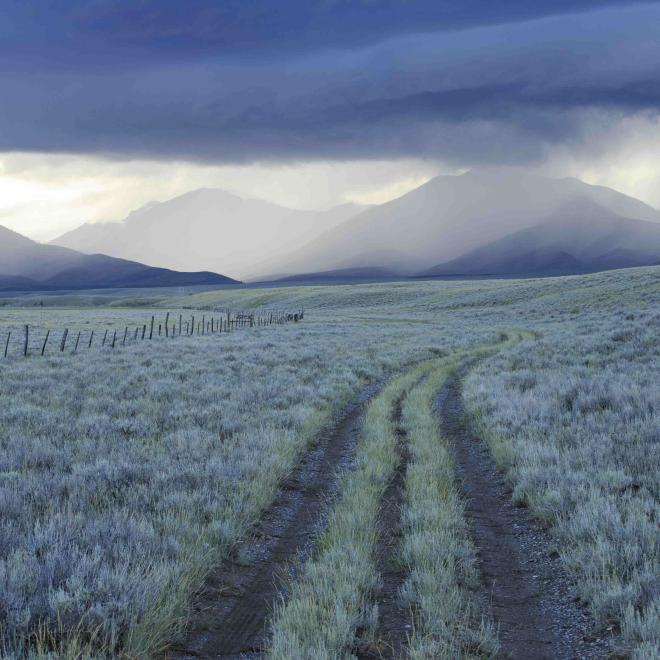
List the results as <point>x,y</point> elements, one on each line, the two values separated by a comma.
<point>332,597</point>
<point>436,549</point>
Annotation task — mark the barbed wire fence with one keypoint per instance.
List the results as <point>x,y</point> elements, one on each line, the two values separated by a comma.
<point>26,342</point>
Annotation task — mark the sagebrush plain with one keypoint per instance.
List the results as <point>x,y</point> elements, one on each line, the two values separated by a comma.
<point>128,473</point>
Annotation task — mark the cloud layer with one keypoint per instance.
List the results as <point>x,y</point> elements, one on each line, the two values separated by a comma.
<point>236,82</point>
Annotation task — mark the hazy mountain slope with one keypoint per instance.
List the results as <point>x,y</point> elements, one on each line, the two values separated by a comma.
<point>207,229</point>
<point>21,256</point>
<point>25,264</point>
<point>16,283</point>
<point>447,217</point>
<point>582,236</point>
<point>341,275</point>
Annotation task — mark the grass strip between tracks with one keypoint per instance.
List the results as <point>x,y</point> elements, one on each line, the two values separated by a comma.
<point>332,597</point>
<point>436,550</point>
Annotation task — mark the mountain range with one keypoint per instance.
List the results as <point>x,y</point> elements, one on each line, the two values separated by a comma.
<point>208,229</point>
<point>29,266</point>
<point>450,217</point>
<point>580,237</point>
<point>487,222</point>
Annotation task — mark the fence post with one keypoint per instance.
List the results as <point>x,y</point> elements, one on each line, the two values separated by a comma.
<point>75,348</point>
<point>151,328</point>
<point>63,342</point>
<point>91,337</point>
<point>114,337</point>
<point>27,337</point>
<point>7,343</point>
<point>105,336</point>
<point>144,330</point>
<point>167,324</point>
<point>123,343</point>
<point>43,348</point>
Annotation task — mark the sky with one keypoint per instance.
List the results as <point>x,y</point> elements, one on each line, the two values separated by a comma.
<point>107,105</point>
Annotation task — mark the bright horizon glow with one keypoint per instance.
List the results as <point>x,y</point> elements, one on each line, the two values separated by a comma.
<point>44,195</point>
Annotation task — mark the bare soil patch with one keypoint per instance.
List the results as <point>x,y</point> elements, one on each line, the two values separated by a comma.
<point>232,612</point>
<point>532,599</point>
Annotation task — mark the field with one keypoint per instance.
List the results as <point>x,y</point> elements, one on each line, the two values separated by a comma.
<point>142,485</point>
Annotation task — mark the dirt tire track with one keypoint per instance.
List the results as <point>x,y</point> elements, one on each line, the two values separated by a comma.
<point>532,600</point>
<point>394,618</point>
<point>231,614</point>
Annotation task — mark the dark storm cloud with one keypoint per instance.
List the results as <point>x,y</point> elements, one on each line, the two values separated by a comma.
<point>228,81</point>
<point>166,30</point>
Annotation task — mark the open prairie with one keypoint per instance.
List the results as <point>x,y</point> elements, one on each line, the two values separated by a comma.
<point>329,488</point>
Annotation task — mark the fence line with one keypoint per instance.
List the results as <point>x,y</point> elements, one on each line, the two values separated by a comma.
<point>225,323</point>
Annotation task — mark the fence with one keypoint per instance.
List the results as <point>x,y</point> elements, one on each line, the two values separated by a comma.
<point>171,326</point>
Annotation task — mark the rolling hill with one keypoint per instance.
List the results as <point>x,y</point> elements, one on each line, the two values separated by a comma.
<point>342,275</point>
<point>207,229</point>
<point>26,265</point>
<point>452,215</point>
<point>580,237</point>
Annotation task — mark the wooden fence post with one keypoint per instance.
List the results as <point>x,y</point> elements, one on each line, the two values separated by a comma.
<point>75,348</point>
<point>144,330</point>
<point>114,338</point>
<point>63,342</point>
<point>91,338</point>
<point>123,342</point>
<point>105,336</point>
<point>43,348</point>
<point>7,342</point>
<point>151,328</point>
<point>27,337</point>
<point>167,324</point>
<point>180,323</point>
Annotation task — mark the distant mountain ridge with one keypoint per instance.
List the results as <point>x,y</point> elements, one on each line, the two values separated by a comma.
<point>581,237</point>
<point>208,229</point>
<point>26,265</point>
<point>449,225</point>
<point>449,216</point>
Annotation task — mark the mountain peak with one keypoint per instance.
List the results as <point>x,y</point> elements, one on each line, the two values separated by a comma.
<point>8,237</point>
